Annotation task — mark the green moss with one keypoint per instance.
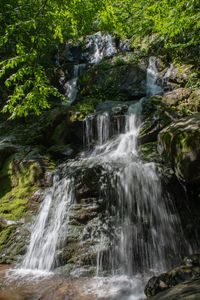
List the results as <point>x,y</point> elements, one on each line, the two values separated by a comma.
<point>148,151</point>
<point>83,108</point>
<point>5,234</point>
<point>18,182</point>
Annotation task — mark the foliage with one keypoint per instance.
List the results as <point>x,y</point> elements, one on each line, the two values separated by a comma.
<point>176,23</point>
<point>31,30</point>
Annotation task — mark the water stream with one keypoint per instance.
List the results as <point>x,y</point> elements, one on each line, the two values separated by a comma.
<point>49,229</point>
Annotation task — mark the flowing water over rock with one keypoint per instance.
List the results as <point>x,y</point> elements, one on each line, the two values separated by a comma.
<point>138,236</point>
<point>152,76</point>
<point>49,229</point>
<point>99,46</point>
<point>70,87</point>
<point>143,216</point>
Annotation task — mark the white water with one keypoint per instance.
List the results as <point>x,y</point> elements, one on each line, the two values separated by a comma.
<point>49,229</point>
<point>152,77</point>
<point>144,217</point>
<point>165,79</point>
<point>103,46</point>
<point>70,86</point>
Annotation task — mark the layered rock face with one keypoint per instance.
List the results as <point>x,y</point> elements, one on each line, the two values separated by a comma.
<point>179,143</point>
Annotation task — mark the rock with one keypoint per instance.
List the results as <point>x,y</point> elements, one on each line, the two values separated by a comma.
<point>134,83</point>
<point>179,74</point>
<point>184,291</point>
<point>172,278</point>
<point>5,223</point>
<point>179,143</point>
<point>192,260</point>
<point>148,152</point>
<point>6,149</point>
<point>114,82</point>
<point>177,95</point>
<point>61,151</point>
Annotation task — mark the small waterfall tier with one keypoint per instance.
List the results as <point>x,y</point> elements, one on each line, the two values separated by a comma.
<point>49,229</point>
<point>143,215</point>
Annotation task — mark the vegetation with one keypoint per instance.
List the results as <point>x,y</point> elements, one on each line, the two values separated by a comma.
<point>31,31</point>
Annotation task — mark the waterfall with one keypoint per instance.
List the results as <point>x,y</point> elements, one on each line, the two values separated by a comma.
<point>50,228</point>
<point>165,79</point>
<point>144,217</point>
<point>145,239</point>
<point>144,220</point>
<point>70,86</point>
<point>152,77</point>
<point>100,46</point>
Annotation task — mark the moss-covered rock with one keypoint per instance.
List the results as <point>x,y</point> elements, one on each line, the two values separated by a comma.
<point>171,279</point>
<point>148,152</point>
<point>114,81</point>
<point>19,179</point>
<point>177,95</point>
<point>189,290</point>
<point>180,144</point>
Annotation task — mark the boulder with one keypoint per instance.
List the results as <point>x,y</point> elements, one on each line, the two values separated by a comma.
<point>189,290</point>
<point>177,95</point>
<point>179,74</point>
<point>179,143</point>
<point>158,284</point>
<point>114,81</point>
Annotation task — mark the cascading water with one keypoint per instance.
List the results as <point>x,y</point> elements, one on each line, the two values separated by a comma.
<point>152,76</point>
<point>146,221</point>
<point>49,229</point>
<point>102,45</point>
<point>70,86</point>
<point>144,218</point>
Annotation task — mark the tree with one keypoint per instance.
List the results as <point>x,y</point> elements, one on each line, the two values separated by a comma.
<point>30,32</point>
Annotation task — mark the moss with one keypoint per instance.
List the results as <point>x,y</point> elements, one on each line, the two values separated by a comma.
<point>148,151</point>
<point>5,234</point>
<point>18,183</point>
<point>83,108</point>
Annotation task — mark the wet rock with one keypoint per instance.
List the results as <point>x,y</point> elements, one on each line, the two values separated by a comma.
<point>177,95</point>
<point>148,152</point>
<point>61,151</point>
<point>192,260</point>
<point>189,290</point>
<point>170,279</point>
<point>113,81</point>
<point>88,182</point>
<point>5,223</point>
<point>84,213</point>
<point>180,144</point>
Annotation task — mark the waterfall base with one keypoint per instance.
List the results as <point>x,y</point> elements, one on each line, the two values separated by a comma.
<point>58,287</point>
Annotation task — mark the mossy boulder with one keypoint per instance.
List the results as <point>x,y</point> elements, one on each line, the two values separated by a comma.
<point>20,177</point>
<point>158,284</point>
<point>189,290</point>
<point>179,143</point>
<point>177,95</point>
<point>180,74</point>
<point>114,81</point>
